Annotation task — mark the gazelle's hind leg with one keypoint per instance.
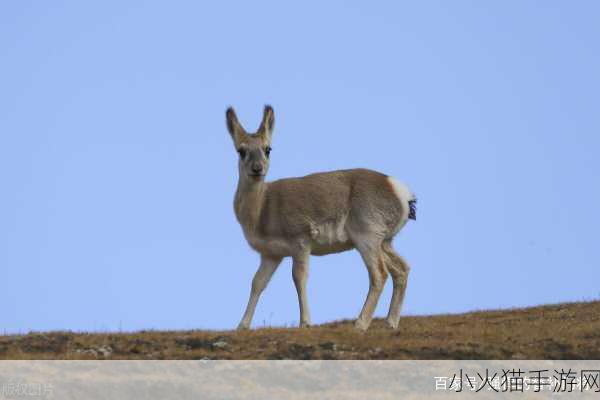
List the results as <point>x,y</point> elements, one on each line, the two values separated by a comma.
<point>370,249</point>
<point>398,269</point>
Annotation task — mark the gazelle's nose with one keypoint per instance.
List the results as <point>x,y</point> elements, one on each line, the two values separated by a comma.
<point>257,168</point>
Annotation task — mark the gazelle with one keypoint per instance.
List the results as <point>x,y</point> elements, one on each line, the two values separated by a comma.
<point>322,213</point>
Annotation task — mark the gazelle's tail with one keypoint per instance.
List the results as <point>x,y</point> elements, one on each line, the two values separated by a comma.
<point>412,204</point>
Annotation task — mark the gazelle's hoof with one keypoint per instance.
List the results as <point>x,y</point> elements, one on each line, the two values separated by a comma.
<point>391,323</point>
<point>305,324</point>
<point>361,325</point>
<point>243,327</point>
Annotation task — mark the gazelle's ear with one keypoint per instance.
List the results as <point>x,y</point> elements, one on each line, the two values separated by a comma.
<point>268,122</point>
<point>234,127</point>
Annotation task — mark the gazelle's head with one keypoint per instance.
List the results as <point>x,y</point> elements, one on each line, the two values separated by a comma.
<point>253,149</point>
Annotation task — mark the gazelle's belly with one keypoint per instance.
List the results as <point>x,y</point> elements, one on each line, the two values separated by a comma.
<point>321,250</point>
<point>324,238</point>
<point>330,237</point>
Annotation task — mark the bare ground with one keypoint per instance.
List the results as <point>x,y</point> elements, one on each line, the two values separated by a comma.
<point>561,331</point>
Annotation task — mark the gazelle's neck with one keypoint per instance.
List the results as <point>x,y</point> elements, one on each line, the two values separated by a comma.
<point>249,199</point>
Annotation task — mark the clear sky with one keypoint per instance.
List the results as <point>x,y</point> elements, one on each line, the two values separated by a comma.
<point>117,173</point>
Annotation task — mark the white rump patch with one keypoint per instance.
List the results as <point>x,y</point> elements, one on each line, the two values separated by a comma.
<point>404,194</point>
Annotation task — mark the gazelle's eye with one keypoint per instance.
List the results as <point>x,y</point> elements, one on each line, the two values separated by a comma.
<point>242,153</point>
<point>268,151</point>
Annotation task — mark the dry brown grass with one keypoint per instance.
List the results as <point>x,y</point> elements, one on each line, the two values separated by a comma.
<point>562,331</point>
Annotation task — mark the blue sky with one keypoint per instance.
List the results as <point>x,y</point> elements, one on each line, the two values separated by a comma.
<point>117,173</point>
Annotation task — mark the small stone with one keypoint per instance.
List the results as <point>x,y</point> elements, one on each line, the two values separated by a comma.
<point>105,351</point>
<point>91,352</point>
<point>301,352</point>
<point>328,346</point>
<point>220,344</point>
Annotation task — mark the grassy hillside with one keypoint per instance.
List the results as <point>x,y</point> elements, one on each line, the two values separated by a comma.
<point>562,331</point>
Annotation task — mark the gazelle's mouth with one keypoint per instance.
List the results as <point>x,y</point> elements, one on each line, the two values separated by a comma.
<point>256,175</point>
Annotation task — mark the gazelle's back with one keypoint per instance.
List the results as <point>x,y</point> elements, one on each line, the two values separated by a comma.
<point>328,210</point>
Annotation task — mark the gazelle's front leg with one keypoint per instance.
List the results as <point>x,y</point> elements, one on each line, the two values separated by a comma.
<point>259,282</point>
<point>300,274</point>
